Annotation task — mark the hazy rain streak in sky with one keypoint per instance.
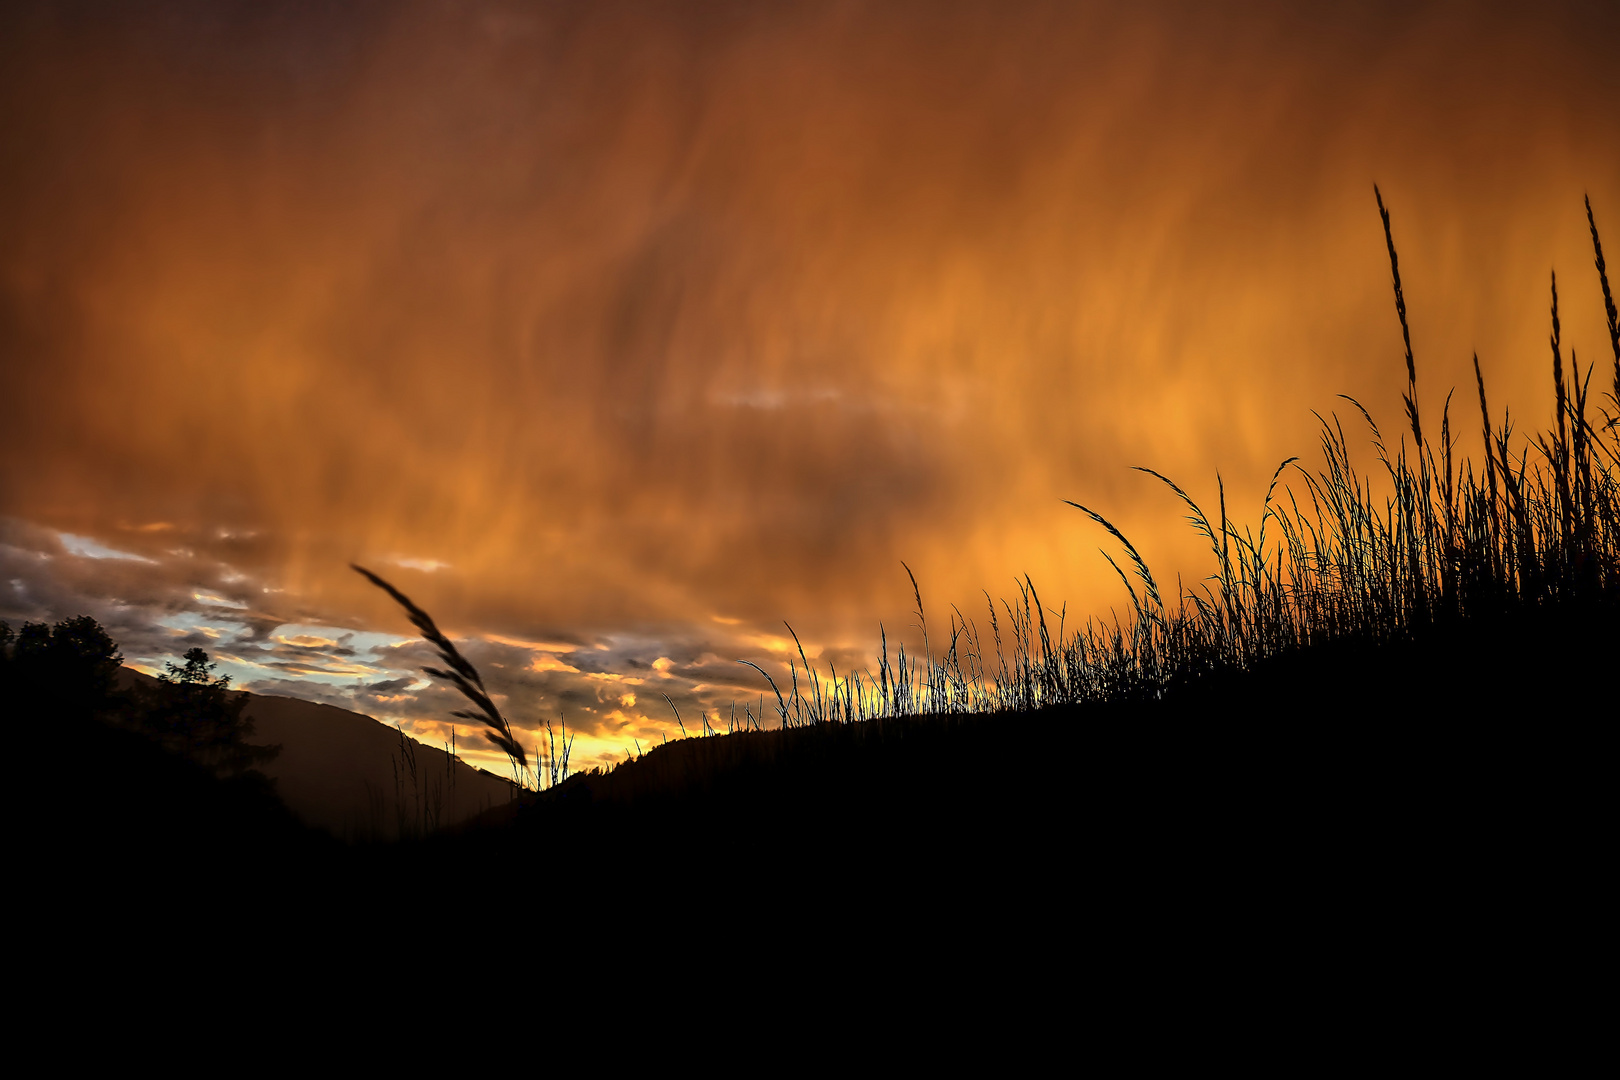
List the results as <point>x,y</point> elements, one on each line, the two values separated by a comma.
<point>632,330</point>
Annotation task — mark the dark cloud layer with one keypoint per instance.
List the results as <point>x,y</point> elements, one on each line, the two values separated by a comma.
<point>608,691</point>
<point>622,318</point>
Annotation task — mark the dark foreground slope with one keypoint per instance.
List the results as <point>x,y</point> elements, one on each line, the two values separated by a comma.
<point>1471,761</point>
<point>1426,788</point>
<point>138,819</point>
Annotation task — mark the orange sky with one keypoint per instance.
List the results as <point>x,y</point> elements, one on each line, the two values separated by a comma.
<point>636,329</point>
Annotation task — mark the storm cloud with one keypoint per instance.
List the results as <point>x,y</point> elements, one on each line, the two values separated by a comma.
<point>641,328</point>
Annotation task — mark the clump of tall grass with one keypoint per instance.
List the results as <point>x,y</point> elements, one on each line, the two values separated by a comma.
<point>1432,543</point>
<point>1436,541</point>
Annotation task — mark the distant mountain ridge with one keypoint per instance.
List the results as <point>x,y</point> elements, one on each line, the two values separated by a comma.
<point>355,777</point>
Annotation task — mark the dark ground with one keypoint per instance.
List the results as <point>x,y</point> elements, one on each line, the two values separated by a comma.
<point>1456,795</point>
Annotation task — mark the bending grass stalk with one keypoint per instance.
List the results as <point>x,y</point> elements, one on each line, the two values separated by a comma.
<point>1406,330</point>
<point>781,706</point>
<point>1608,304</point>
<point>461,674</point>
<point>1136,559</point>
<point>676,711</point>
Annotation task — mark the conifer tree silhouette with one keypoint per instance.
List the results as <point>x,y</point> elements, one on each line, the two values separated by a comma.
<point>196,714</point>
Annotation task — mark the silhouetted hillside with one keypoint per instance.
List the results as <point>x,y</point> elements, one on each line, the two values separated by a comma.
<point>356,778</point>
<point>1441,762</point>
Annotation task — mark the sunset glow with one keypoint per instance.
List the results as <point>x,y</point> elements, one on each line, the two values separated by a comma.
<point>621,337</point>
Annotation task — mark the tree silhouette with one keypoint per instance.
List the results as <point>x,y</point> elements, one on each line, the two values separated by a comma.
<point>198,715</point>
<point>84,661</point>
<point>65,673</point>
<point>68,673</point>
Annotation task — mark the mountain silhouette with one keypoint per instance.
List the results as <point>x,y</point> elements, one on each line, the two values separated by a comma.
<point>355,777</point>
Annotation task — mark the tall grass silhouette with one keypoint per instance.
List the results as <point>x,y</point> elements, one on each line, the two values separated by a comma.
<point>460,673</point>
<point>1432,542</point>
<point>1429,544</point>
